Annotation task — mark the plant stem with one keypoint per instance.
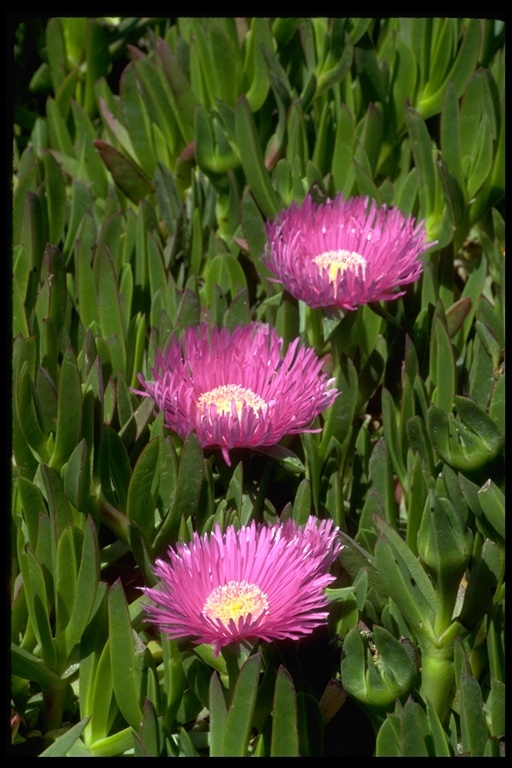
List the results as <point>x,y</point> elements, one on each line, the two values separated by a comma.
<point>447,589</point>
<point>437,677</point>
<point>114,519</point>
<point>315,329</point>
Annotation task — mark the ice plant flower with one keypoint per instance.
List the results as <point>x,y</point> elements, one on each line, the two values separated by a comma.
<point>262,581</point>
<point>344,252</point>
<point>235,389</point>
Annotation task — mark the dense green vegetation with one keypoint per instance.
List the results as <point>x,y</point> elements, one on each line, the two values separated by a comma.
<point>148,155</point>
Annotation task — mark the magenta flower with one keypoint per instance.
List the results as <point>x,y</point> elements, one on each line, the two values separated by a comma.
<point>235,390</point>
<point>259,582</point>
<point>343,253</point>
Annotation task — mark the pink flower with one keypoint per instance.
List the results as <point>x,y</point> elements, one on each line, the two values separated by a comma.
<point>235,390</point>
<point>259,582</point>
<point>343,253</point>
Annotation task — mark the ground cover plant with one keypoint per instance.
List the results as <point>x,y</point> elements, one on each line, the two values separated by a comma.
<point>258,387</point>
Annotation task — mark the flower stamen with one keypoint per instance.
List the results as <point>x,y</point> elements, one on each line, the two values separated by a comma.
<point>235,600</point>
<point>340,261</point>
<point>225,395</point>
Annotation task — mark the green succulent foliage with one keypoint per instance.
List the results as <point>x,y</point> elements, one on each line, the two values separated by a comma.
<point>148,155</point>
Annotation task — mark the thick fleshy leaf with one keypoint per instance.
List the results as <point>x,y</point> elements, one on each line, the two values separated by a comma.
<point>492,501</point>
<point>404,78</point>
<point>442,365</point>
<point>58,503</point>
<point>355,558</point>
<point>33,505</point>
<point>62,746</point>
<point>84,275</point>
<point>458,446</point>
<point>148,743</point>
<point>456,315</point>
<point>225,271</point>
<point>60,138</point>
<point>184,102</point>
<point>69,413</point>
<point>125,674</point>
<point>302,502</point>
<point>85,589</point>
<point>419,442</point>
<point>472,720</point>
<point>137,123</point>
<point>97,56</point>
<point>376,672</point>
<point>190,479</point>
<point>392,439</point>
<point>338,419</point>
<point>404,735</point>
<point>188,310</point>
<point>38,604</point>
<point>481,588</point>
<point>114,467</point>
<point>115,127</point>
<point>311,726</point>
<point>127,175</point>
<point>96,692</point>
<point>152,85</point>
<point>19,311</point>
<point>284,457</point>
<point>441,744</point>
<point>285,736</point>
<point>140,506</point>
<point>198,678</point>
<point>218,713</point>
<point>252,160</point>
<point>388,737</point>
<point>239,716</point>
<point>495,707</point>
<point>255,65</point>
<point>53,273</point>
<point>33,238</point>
<point>65,575</point>
<point>55,198</point>
<point>30,667</point>
<point>342,166</point>
<point>109,309</point>
<point>28,419</point>
<point>382,480</point>
<point>481,161</point>
<point>405,580</point>
<point>444,69</point>
<point>422,151</point>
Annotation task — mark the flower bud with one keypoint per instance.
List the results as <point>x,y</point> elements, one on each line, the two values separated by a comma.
<point>444,543</point>
<point>376,670</point>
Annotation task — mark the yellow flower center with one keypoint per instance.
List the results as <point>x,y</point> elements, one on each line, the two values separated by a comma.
<point>340,260</point>
<point>223,396</point>
<point>234,600</point>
